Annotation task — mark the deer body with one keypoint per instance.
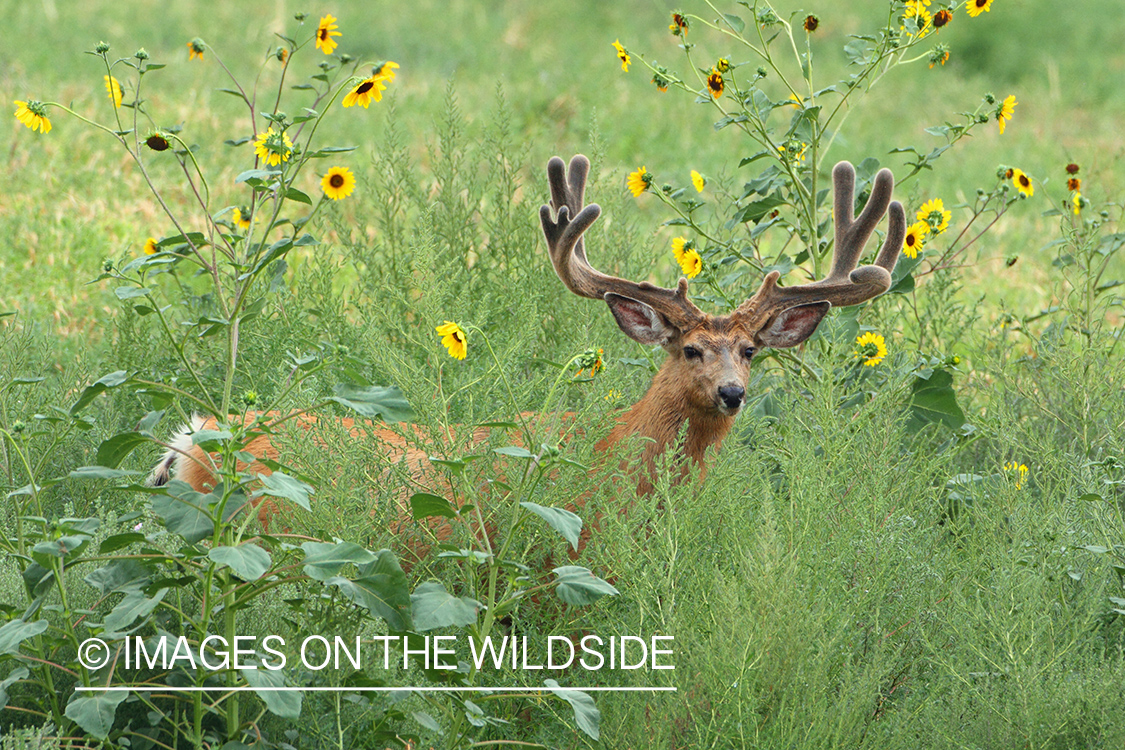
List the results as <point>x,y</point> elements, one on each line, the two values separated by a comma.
<point>703,380</point>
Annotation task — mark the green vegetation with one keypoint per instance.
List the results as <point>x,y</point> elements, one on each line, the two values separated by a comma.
<point>925,552</point>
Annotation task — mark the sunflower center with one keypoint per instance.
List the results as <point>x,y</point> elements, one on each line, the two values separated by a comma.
<point>981,3</point>
<point>336,180</point>
<point>322,34</point>
<point>1024,181</point>
<point>364,87</point>
<point>911,240</point>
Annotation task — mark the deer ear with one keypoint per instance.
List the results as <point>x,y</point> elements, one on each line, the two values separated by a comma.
<point>792,326</point>
<point>639,321</point>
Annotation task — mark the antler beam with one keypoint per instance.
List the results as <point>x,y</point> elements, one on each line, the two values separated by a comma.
<point>568,251</point>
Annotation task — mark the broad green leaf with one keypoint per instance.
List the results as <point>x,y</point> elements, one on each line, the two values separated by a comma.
<point>60,547</point>
<point>434,607</point>
<point>324,560</point>
<point>94,712</point>
<point>185,511</point>
<point>514,451</point>
<point>134,605</point>
<point>586,714</point>
<point>294,194</point>
<point>113,450</point>
<point>90,392</point>
<point>578,586</point>
<point>933,400</point>
<point>381,589</point>
<point>560,519</point>
<point>283,703</point>
<point>425,505</point>
<point>280,484</point>
<point>375,401</point>
<point>119,575</point>
<point>13,633</point>
<point>738,25</point>
<point>248,561</point>
<point>17,674</point>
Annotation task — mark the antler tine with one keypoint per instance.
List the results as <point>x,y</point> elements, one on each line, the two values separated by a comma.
<point>568,253</point>
<point>845,284</point>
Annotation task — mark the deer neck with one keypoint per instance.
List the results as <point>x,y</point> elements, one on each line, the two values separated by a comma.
<point>660,416</point>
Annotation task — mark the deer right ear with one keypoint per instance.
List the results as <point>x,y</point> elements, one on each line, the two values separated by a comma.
<point>793,325</point>
<point>639,321</point>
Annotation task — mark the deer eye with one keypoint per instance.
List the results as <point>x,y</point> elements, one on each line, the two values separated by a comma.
<point>749,352</point>
<point>690,352</point>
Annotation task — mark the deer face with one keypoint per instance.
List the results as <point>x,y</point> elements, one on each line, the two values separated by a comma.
<point>711,359</point>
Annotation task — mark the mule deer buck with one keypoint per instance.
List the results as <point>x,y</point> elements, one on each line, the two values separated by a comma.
<point>703,380</point>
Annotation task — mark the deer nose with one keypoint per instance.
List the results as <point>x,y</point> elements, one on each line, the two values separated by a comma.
<point>732,395</point>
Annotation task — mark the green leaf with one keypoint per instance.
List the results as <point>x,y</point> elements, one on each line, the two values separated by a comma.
<point>60,547</point>
<point>119,541</point>
<point>756,210</point>
<point>134,605</point>
<point>283,703</point>
<point>294,194</point>
<point>248,561</point>
<point>434,607</point>
<point>578,586</point>
<point>130,292</point>
<point>737,24</point>
<point>101,472</point>
<point>324,560</point>
<point>375,401</point>
<point>902,280</point>
<point>120,575</point>
<point>933,400</point>
<point>113,450</point>
<point>95,713</point>
<point>514,451</point>
<point>185,511</point>
<point>560,519</point>
<point>257,174</point>
<point>381,589</point>
<point>13,633</point>
<point>101,385</point>
<point>280,484</point>
<point>425,505</point>
<point>586,714</point>
<point>17,674</point>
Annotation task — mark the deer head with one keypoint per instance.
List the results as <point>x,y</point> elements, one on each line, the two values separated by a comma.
<point>704,377</point>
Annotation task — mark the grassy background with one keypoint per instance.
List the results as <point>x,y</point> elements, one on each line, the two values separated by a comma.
<point>824,586</point>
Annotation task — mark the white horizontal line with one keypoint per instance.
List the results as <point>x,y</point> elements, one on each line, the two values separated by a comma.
<point>429,689</point>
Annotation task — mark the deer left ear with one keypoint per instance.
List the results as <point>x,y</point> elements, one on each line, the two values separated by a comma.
<point>794,325</point>
<point>639,321</point>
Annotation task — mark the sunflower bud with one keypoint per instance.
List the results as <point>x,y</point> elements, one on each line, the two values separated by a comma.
<point>346,58</point>
<point>157,141</point>
<point>989,99</point>
<point>101,48</point>
<point>107,265</point>
<point>141,54</point>
<point>300,16</point>
<point>18,427</point>
<point>761,72</point>
<point>250,398</point>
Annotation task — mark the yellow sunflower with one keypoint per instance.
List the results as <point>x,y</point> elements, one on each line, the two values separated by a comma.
<point>933,213</point>
<point>976,7</point>
<point>240,217</point>
<point>697,181</point>
<point>691,263</point>
<point>196,49</point>
<point>454,339</point>
<point>367,91</point>
<point>150,246</point>
<point>385,70</point>
<point>872,349</point>
<point>114,89</point>
<point>1022,182</point>
<point>679,245</point>
<point>1074,184</point>
<point>679,25</point>
<point>338,183</point>
<point>34,115</point>
<point>941,18</point>
<point>622,55</point>
<point>1077,201</point>
<point>325,32</point>
<point>1020,470</point>
<point>273,148</point>
<point>715,83</point>
<point>1007,108</point>
<point>915,238</point>
<point>638,181</point>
